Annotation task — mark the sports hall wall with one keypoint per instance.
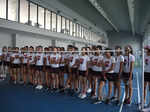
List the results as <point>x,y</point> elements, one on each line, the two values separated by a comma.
<point>123,39</point>
<point>10,38</point>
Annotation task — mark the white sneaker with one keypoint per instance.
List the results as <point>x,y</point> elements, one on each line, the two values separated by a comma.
<point>80,95</point>
<point>89,90</point>
<point>93,97</point>
<point>40,87</point>
<point>83,96</point>
<point>37,87</point>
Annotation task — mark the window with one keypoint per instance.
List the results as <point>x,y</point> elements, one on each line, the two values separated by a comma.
<point>41,17</point>
<point>63,25</point>
<point>48,18</point>
<point>33,14</point>
<point>2,8</point>
<point>67,26</point>
<point>58,23</point>
<point>53,22</point>
<point>71,31</point>
<point>13,10</point>
<point>79,30</point>
<point>24,11</point>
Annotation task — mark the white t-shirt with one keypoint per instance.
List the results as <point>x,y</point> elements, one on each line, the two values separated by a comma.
<point>8,56</point>
<point>0,55</point>
<point>4,56</point>
<point>16,57</point>
<point>47,56</point>
<point>90,63</point>
<point>119,59</point>
<point>108,63</point>
<point>72,60</point>
<point>25,57</point>
<point>31,57</point>
<point>63,56</point>
<point>40,57</point>
<point>147,64</point>
<point>55,57</point>
<point>127,62</point>
<point>96,60</point>
<point>83,62</point>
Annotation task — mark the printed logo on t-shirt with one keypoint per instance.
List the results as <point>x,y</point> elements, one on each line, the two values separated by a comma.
<point>107,64</point>
<point>125,62</point>
<point>95,61</point>
<point>81,60</point>
<point>30,57</point>
<point>38,57</point>
<point>16,56</point>
<point>146,61</point>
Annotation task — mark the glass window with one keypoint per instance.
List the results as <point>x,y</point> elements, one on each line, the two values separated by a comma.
<point>77,30</point>
<point>74,29</point>
<point>13,10</point>
<point>48,18</point>
<point>67,26</point>
<point>53,22</point>
<point>24,11</point>
<point>63,25</point>
<point>41,17</point>
<point>2,8</point>
<point>58,23</point>
<point>71,31</point>
<point>81,32</point>
<point>33,14</point>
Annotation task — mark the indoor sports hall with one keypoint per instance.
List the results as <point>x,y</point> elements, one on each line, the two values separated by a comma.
<point>74,55</point>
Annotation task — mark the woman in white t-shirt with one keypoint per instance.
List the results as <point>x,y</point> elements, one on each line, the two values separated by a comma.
<point>39,63</point>
<point>83,72</point>
<point>127,75</point>
<point>31,65</point>
<point>62,68</point>
<point>109,64</point>
<point>146,72</point>
<point>97,67</point>
<point>55,61</point>
<point>1,65</point>
<point>117,74</point>
<point>15,60</point>
<point>47,66</point>
<point>25,56</point>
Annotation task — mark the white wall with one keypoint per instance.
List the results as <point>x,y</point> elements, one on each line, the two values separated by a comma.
<point>123,39</point>
<point>32,40</point>
<point>5,39</point>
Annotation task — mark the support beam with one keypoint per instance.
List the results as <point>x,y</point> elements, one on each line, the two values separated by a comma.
<point>131,9</point>
<point>103,13</point>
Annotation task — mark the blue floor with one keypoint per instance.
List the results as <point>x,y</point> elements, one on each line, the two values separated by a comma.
<point>16,98</point>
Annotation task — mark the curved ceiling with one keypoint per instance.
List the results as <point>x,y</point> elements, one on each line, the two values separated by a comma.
<point>116,10</point>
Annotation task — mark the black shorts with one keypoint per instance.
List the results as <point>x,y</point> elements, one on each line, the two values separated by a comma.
<point>15,65</point>
<point>24,64</point>
<point>112,76</point>
<point>62,68</point>
<point>47,67</point>
<point>0,63</point>
<point>32,66</point>
<point>126,76</point>
<point>99,75</point>
<point>66,69</point>
<point>40,68</point>
<point>74,71</point>
<point>55,70</point>
<point>146,76</point>
<point>82,73</point>
<point>90,71</point>
<point>4,63</point>
<point>7,63</point>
